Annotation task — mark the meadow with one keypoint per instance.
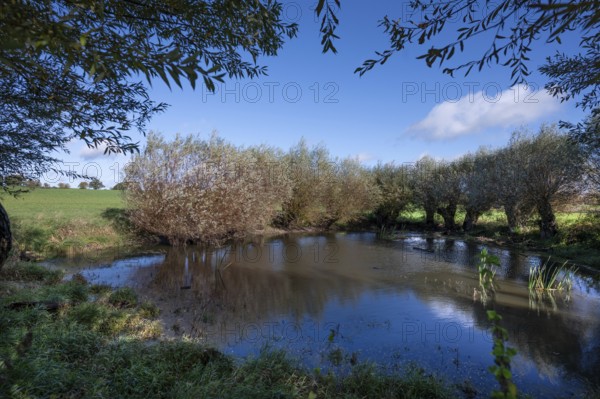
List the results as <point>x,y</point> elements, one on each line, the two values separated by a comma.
<point>578,238</point>
<point>62,204</point>
<point>56,222</point>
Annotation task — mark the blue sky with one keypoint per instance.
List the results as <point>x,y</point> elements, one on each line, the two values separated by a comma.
<point>397,112</point>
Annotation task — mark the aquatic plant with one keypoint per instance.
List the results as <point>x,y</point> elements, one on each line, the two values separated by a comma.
<point>486,269</point>
<point>386,233</point>
<point>550,278</point>
<point>502,353</point>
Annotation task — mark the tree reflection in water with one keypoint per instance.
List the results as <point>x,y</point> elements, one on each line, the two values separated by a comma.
<point>244,296</point>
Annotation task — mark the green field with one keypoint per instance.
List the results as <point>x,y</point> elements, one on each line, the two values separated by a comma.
<point>55,222</point>
<point>62,204</point>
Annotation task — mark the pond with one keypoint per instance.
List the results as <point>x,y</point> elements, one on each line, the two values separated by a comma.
<point>335,299</point>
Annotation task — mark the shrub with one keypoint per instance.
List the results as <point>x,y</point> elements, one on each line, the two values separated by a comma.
<point>325,190</point>
<point>202,190</point>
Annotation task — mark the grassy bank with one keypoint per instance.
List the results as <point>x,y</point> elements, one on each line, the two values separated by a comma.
<point>70,339</point>
<point>55,222</point>
<point>578,238</point>
<point>59,222</point>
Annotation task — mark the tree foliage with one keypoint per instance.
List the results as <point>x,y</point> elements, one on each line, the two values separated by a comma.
<point>207,190</point>
<point>96,184</point>
<point>448,192</point>
<point>553,170</point>
<point>586,135</point>
<point>349,194</point>
<point>324,189</point>
<point>534,172</point>
<point>476,185</point>
<point>510,27</point>
<point>395,193</point>
<point>508,176</point>
<point>309,170</point>
<point>424,182</point>
<point>73,69</point>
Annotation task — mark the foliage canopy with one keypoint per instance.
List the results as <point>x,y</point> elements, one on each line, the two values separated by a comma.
<point>510,28</point>
<point>76,69</point>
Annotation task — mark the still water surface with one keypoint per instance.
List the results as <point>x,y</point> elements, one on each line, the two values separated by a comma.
<point>333,299</point>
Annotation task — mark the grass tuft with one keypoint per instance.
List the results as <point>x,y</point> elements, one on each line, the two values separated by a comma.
<point>123,298</point>
<point>550,277</point>
<point>29,272</point>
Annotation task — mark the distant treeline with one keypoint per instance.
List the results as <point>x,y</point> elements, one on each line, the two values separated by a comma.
<point>193,189</point>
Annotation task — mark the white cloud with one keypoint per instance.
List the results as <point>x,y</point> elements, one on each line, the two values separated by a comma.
<point>88,153</point>
<point>476,112</point>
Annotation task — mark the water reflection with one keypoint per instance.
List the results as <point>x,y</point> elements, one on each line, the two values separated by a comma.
<point>391,302</point>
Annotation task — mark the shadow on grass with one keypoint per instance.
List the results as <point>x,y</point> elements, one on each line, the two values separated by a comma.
<point>30,238</point>
<point>119,219</point>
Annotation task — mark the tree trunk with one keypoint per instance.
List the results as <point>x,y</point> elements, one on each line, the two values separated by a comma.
<point>512,218</point>
<point>429,216</point>
<point>5,236</point>
<point>548,227</point>
<point>470,221</point>
<point>451,221</point>
<point>448,213</point>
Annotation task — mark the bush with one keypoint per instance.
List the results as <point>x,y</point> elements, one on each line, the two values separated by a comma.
<point>325,190</point>
<point>202,190</point>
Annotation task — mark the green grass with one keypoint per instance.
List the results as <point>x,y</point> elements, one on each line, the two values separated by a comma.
<point>63,222</point>
<point>65,204</point>
<point>29,272</point>
<point>549,277</point>
<point>578,238</point>
<point>93,346</point>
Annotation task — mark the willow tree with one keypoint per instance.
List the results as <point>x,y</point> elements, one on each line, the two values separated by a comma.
<point>310,170</point>
<point>190,189</point>
<point>395,193</point>
<point>80,69</point>
<point>448,192</point>
<point>553,168</point>
<point>509,179</point>
<point>586,135</point>
<point>349,193</point>
<point>476,185</point>
<point>425,181</point>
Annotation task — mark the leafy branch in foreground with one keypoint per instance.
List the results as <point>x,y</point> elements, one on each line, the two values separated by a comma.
<point>329,23</point>
<point>509,27</point>
<point>502,353</point>
<point>73,68</point>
